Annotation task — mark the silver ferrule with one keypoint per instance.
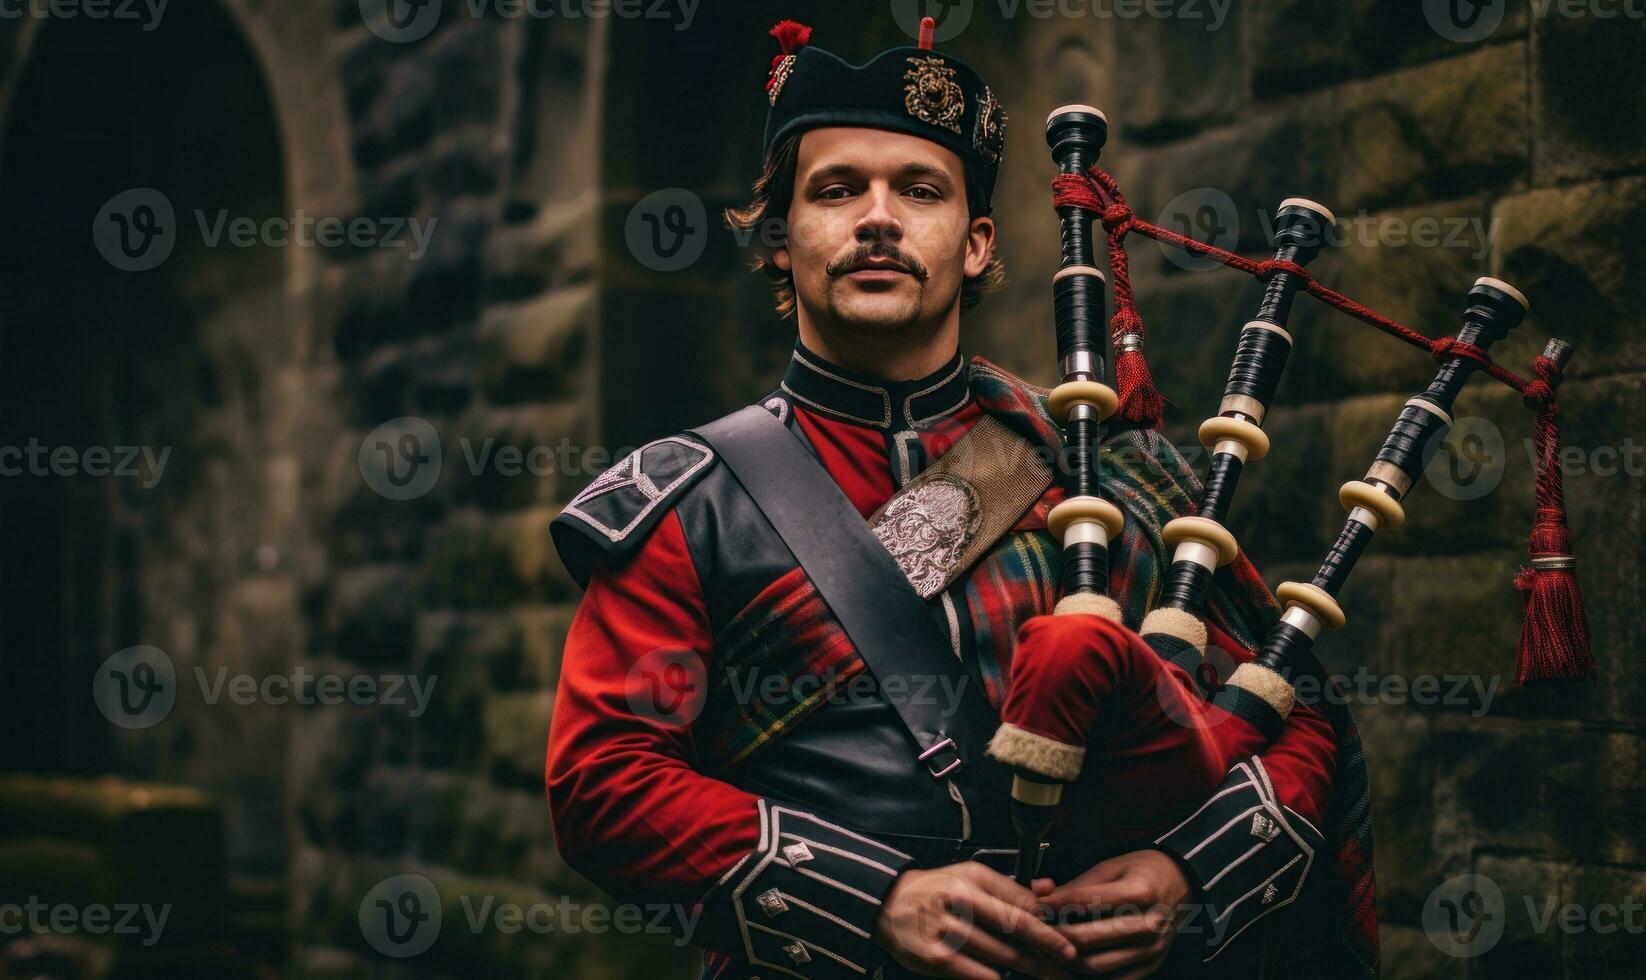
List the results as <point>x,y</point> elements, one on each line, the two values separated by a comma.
<point>1554,563</point>
<point>1129,342</point>
<point>1230,447</point>
<point>1198,552</point>
<point>1301,618</point>
<point>1086,532</point>
<point>1079,364</point>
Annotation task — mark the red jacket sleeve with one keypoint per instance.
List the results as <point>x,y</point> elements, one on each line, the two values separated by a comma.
<point>1249,848</point>
<point>630,811</point>
<point>1302,761</point>
<point>774,888</point>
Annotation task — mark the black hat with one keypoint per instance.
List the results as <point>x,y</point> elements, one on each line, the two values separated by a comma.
<point>911,90</point>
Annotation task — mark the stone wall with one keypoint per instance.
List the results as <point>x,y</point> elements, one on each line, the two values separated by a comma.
<point>533,322</point>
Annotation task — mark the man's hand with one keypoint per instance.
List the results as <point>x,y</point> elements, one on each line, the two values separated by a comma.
<point>968,921</point>
<point>1136,903</point>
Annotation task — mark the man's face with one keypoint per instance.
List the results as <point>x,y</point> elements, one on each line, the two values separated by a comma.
<point>879,232</point>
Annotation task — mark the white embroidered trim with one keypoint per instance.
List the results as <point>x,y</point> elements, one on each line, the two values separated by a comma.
<point>965,396</point>
<point>807,944</point>
<point>1279,812</point>
<point>1250,780</point>
<point>885,396</point>
<point>769,851</point>
<point>628,473</point>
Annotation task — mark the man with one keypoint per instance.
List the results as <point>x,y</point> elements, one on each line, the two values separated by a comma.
<point>724,738</point>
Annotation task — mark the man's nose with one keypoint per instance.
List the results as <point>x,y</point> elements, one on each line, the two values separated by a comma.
<point>879,222</point>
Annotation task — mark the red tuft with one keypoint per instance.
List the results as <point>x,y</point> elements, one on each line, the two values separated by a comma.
<point>928,32</point>
<point>1554,637</point>
<point>791,35</point>
<point>1140,401</point>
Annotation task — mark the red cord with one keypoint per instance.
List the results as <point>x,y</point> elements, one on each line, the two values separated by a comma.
<point>1555,633</point>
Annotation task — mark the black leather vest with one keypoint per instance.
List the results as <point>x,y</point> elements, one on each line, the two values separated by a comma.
<point>850,759</point>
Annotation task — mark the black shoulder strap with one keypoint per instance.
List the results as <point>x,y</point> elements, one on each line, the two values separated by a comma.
<point>883,616</point>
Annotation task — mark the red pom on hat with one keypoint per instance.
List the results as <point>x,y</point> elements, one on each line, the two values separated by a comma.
<point>791,35</point>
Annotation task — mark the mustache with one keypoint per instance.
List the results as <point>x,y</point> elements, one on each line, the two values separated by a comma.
<point>878,250</point>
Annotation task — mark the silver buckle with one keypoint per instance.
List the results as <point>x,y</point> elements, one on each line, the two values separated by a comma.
<point>945,743</point>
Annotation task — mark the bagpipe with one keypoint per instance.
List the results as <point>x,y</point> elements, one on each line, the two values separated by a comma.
<point>1056,702</point>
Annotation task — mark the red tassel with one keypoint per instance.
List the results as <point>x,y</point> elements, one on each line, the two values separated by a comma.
<point>1140,401</point>
<point>1554,636</point>
<point>928,33</point>
<point>791,35</point>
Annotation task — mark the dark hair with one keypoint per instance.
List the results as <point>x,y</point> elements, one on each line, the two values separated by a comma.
<point>772,192</point>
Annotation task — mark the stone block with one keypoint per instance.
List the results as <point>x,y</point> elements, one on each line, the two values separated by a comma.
<point>1400,776</point>
<point>535,349</point>
<point>1284,499</point>
<point>543,630</point>
<point>1223,185</point>
<point>1407,952</point>
<point>1439,131</point>
<point>391,100</point>
<point>465,62</point>
<point>373,297</point>
<point>1590,95</point>
<point>523,455</point>
<point>370,614</point>
<point>1606,939</point>
<point>556,247</point>
<point>445,282</point>
<point>1467,613</point>
<point>1531,943</point>
<point>517,735</point>
<point>1181,72</point>
<point>1193,326</point>
<point>482,650</point>
<point>1607,513</point>
<point>1569,249</point>
<point>1295,45</point>
<point>482,561</point>
<point>1567,793</point>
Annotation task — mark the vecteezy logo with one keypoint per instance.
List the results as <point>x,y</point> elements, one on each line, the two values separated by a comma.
<point>949,17</point>
<point>400,459</point>
<point>668,686</point>
<point>1465,461</point>
<point>667,230</point>
<point>401,916</point>
<point>1465,916</point>
<point>135,688</point>
<point>1465,21</point>
<point>400,21</point>
<point>1185,704</point>
<point>136,230</point>
<point>1206,215</point>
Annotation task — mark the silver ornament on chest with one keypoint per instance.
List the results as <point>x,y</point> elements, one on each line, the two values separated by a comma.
<point>926,529</point>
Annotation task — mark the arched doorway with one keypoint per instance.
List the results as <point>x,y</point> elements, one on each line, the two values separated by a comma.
<point>129,385</point>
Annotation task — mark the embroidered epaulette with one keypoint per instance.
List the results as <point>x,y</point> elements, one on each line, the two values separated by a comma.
<point>613,515</point>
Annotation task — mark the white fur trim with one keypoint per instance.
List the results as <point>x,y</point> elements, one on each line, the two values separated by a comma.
<point>1085,603</point>
<point>1176,622</point>
<point>1266,684</point>
<point>1038,754</point>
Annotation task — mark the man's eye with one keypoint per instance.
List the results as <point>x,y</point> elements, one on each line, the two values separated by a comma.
<point>922,192</point>
<point>834,193</point>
